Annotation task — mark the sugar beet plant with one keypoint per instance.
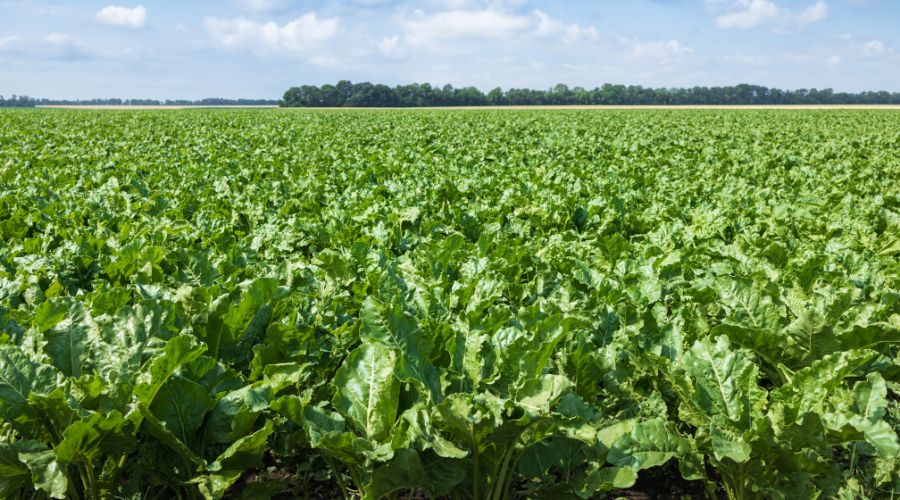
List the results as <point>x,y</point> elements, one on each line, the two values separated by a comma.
<point>449,304</point>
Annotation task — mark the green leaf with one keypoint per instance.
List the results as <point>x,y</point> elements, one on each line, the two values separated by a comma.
<point>20,377</point>
<point>245,453</point>
<point>367,391</point>
<point>456,413</point>
<point>67,342</point>
<point>419,430</point>
<point>649,444</point>
<point>327,433</point>
<point>15,475</point>
<point>726,442</point>
<point>747,306</point>
<point>236,413</point>
<point>813,338</point>
<point>48,314</point>
<point>605,479</point>
<point>403,472</point>
<point>95,436</point>
<point>47,474</point>
<point>181,405</point>
<point>158,430</point>
<point>394,326</point>
<point>811,388</point>
<point>179,351</point>
<point>725,382</point>
<point>537,396</point>
<point>869,406</point>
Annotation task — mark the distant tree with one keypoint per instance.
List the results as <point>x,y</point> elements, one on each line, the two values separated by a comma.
<point>495,97</point>
<point>18,101</point>
<point>345,92</point>
<point>329,96</point>
<point>362,95</point>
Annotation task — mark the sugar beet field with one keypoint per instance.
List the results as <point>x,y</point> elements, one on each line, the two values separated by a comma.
<point>449,304</point>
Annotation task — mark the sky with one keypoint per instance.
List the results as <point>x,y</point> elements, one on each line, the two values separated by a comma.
<point>192,49</point>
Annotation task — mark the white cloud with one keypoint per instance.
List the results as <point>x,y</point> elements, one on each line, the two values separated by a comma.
<point>53,46</point>
<point>466,23</point>
<point>660,51</point>
<point>59,39</point>
<point>748,60</point>
<point>476,4</point>
<point>492,22</point>
<point>753,13</point>
<point>813,14</point>
<point>389,45</point>
<point>547,26</point>
<point>874,48</point>
<point>124,17</point>
<point>9,41</point>
<point>296,35</point>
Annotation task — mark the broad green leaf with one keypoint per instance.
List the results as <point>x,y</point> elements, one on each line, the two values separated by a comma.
<point>394,326</point>
<point>404,472</point>
<point>419,430</point>
<point>649,444</point>
<point>179,351</point>
<point>95,436</point>
<point>537,396</point>
<point>50,313</point>
<point>725,382</point>
<point>367,391</point>
<point>158,430</point>
<point>727,442</point>
<point>68,338</point>
<point>20,377</point>
<point>747,306</point>
<point>15,476</point>
<point>47,473</point>
<point>181,405</point>
<point>236,413</point>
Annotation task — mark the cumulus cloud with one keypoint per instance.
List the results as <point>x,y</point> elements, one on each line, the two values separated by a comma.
<point>547,26</point>
<point>296,35</point>
<point>389,45</point>
<point>874,48</point>
<point>753,13</point>
<point>660,51</point>
<point>59,39</point>
<point>9,42</point>
<point>492,22</point>
<point>465,23</point>
<point>748,60</point>
<point>114,15</point>
<point>53,46</point>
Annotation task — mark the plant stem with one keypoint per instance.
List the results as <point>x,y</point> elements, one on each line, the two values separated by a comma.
<point>339,477</point>
<point>73,491</point>
<point>499,489</point>
<point>476,467</point>
<point>92,479</point>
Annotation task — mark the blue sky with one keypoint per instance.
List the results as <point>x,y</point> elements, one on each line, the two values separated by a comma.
<point>258,48</point>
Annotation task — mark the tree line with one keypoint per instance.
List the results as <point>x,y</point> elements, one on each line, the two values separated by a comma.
<point>348,94</point>
<point>365,94</point>
<point>30,102</point>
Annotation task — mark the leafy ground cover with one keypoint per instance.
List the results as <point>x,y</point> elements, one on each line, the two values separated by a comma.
<point>472,304</point>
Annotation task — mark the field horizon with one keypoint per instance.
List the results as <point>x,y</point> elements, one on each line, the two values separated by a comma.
<point>500,108</point>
